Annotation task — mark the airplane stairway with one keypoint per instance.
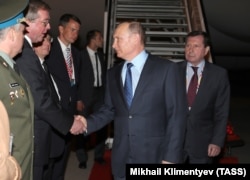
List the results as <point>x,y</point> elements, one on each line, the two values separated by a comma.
<point>166,23</point>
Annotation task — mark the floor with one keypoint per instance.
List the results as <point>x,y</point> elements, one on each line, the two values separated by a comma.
<point>75,173</point>
<point>239,116</point>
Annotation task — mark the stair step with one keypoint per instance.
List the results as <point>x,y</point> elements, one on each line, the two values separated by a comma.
<point>149,15</point>
<point>164,49</point>
<point>145,6</point>
<point>164,44</point>
<point>161,25</point>
<point>152,2</point>
<point>166,33</point>
<point>165,27</point>
<point>169,55</point>
<point>156,10</point>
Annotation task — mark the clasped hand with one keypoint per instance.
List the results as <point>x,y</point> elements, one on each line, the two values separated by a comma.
<point>79,125</point>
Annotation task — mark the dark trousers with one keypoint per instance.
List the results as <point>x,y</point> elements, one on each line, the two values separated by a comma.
<point>38,172</point>
<point>61,162</point>
<point>188,159</point>
<point>82,148</point>
<point>44,172</point>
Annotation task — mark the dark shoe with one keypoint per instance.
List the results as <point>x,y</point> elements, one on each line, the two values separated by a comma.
<point>100,161</point>
<point>82,165</point>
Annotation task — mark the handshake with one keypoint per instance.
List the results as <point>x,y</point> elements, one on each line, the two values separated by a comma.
<point>79,125</point>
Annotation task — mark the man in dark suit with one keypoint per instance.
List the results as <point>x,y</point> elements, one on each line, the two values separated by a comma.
<point>51,122</point>
<point>208,114</point>
<point>93,74</point>
<point>152,128</point>
<point>64,64</point>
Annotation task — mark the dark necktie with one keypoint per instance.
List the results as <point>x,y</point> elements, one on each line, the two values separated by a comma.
<point>45,68</point>
<point>128,85</point>
<point>192,87</point>
<point>52,87</point>
<point>97,70</point>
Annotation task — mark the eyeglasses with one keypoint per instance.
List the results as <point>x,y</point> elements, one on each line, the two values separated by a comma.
<point>49,38</point>
<point>44,23</point>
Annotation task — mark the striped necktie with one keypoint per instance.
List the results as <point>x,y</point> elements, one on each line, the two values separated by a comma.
<point>69,62</point>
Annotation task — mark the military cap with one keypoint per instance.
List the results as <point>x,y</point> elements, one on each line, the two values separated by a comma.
<point>11,12</point>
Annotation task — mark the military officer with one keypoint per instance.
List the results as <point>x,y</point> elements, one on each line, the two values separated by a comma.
<point>15,93</point>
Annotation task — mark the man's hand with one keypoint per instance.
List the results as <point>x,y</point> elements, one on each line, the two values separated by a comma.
<point>79,125</point>
<point>213,150</point>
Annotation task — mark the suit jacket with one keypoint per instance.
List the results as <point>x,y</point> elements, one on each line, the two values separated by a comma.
<point>16,97</point>
<point>57,67</point>
<point>51,123</point>
<point>87,77</point>
<point>207,120</point>
<point>10,169</point>
<point>153,128</point>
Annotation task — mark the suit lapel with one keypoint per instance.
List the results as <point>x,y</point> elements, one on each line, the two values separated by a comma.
<point>183,72</point>
<point>142,83</point>
<point>75,59</point>
<point>203,87</point>
<point>119,81</point>
<point>59,60</point>
<point>144,79</point>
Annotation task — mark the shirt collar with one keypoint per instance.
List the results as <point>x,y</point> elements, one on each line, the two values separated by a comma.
<point>8,59</point>
<point>200,65</point>
<point>41,60</point>
<point>90,51</point>
<point>29,40</point>
<point>139,60</point>
<point>63,46</point>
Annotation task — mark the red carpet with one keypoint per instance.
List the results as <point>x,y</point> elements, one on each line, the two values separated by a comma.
<point>102,172</point>
<point>229,160</point>
<point>232,141</point>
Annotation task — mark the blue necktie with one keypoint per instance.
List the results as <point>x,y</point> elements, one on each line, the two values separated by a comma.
<point>128,85</point>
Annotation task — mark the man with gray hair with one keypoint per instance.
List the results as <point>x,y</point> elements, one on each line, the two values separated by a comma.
<point>15,93</point>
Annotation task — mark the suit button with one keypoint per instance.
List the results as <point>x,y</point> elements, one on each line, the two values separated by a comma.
<point>130,116</point>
